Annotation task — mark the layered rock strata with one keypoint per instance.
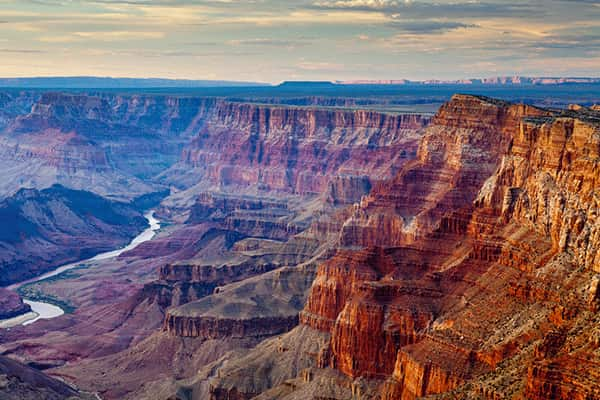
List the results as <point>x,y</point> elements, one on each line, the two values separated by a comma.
<point>297,150</point>
<point>469,258</point>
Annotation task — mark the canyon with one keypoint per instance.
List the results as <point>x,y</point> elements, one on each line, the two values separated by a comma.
<point>308,251</point>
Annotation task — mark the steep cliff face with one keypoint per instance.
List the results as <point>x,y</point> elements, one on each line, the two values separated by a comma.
<point>458,152</point>
<point>296,150</point>
<point>500,179</point>
<point>470,260</point>
<point>548,182</point>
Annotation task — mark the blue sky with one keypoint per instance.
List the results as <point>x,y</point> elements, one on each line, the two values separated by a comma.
<point>271,41</point>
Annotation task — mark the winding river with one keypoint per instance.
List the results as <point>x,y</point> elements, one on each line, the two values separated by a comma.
<point>41,310</point>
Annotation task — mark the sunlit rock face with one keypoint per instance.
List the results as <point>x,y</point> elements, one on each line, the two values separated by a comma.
<point>498,193</point>
<point>473,271</point>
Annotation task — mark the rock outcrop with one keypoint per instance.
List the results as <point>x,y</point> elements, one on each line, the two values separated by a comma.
<point>11,305</point>
<point>19,382</point>
<point>262,306</point>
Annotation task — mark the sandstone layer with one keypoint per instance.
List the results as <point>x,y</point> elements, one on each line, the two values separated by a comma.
<point>296,150</point>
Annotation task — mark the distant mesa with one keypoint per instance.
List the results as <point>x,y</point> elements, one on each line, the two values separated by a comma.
<point>312,84</point>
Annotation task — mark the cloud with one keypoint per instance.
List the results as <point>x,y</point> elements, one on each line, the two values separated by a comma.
<point>268,42</point>
<point>331,39</point>
<point>119,35</point>
<point>101,36</point>
<point>320,66</point>
<point>22,51</point>
<point>428,26</point>
<point>421,9</point>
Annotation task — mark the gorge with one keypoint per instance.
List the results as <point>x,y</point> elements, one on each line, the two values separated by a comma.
<point>305,251</point>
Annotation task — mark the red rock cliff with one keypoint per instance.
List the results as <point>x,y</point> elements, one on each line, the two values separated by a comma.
<point>491,219</point>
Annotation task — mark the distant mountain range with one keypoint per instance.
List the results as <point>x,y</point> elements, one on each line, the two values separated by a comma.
<point>498,80</point>
<point>87,82</point>
<point>92,82</point>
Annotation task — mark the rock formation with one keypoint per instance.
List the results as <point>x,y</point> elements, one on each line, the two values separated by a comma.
<point>19,382</point>
<point>296,150</point>
<point>108,144</point>
<point>11,305</point>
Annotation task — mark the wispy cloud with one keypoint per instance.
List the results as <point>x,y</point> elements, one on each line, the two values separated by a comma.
<point>322,39</point>
<point>438,9</point>
<point>268,42</point>
<point>119,35</point>
<point>426,27</point>
<point>22,51</point>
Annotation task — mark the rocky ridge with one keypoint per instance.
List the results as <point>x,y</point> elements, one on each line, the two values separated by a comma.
<point>19,382</point>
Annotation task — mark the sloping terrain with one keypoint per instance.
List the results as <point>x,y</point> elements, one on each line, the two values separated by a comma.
<point>19,382</point>
<point>47,228</point>
<point>11,304</point>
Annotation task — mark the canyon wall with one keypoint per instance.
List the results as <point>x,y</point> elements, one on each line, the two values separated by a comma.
<point>298,150</point>
<point>474,254</point>
<point>116,144</point>
<point>109,144</point>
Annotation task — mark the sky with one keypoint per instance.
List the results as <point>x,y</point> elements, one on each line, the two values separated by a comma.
<point>276,40</point>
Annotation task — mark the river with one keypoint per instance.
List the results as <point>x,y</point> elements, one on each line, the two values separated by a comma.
<point>41,310</point>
